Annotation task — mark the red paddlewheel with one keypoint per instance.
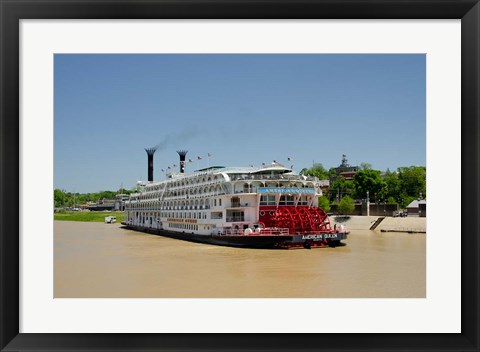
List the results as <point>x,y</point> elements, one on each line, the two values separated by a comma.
<point>301,219</point>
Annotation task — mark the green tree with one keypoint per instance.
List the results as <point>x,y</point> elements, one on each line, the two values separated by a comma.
<point>332,173</point>
<point>85,197</point>
<point>392,200</point>
<point>124,191</point>
<point>106,194</point>
<point>69,199</point>
<point>365,166</point>
<point>341,187</point>
<point>317,171</point>
<point>371,181</point>
<point>392,185</point>
<point>59,198</point>
<point>324,203</point>
<point>346,205</point>
<point>413,181</point>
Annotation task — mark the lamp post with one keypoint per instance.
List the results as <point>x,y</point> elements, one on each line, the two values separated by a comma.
<point>368,203</point>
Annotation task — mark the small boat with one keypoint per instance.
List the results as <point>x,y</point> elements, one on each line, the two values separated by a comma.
<point>110,219</point>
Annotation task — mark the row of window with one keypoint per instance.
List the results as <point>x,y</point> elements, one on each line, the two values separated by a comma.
<point>204,190</point>
<point>284,200</point>
<point>183,226</point>
<point>185,182</point>
<point>175,214</point>
<point>184,215</point>
<point>173,203</point>
<point>173,193</point>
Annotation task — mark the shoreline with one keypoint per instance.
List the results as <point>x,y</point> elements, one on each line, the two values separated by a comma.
<point>352,222</point>
<point>388,224</point>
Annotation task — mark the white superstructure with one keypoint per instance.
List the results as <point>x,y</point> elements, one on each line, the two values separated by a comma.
<point>219,199</point>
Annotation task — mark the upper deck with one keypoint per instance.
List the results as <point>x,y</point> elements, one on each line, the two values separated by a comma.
<point>226,180</point>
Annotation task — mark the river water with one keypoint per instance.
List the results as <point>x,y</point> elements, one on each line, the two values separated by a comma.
<point>104,260</point>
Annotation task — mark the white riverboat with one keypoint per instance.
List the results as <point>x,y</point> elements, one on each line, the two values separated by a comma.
<point>267,207</point>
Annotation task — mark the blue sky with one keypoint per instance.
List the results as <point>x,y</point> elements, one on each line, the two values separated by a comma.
<point>243,109</point>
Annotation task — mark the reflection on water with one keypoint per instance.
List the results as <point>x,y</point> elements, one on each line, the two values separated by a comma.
<point>103,260</point>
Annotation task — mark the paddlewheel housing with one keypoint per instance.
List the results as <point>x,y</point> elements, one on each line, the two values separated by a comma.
<point>299,220</point>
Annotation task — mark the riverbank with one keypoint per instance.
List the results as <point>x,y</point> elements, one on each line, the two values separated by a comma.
<point>354,222</point>
<point>87,216</point>
<point>390,224</point>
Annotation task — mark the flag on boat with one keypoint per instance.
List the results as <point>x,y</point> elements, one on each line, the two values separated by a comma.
<point>169,167</point>
<point>290,159</point>
<point>199,158</point>
<point>163,170</point>
<point>190,161</point>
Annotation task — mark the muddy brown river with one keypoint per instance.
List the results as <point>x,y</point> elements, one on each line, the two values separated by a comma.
<point>104,260</point>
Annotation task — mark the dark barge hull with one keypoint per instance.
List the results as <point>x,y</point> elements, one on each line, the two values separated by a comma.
<point>249,241</point>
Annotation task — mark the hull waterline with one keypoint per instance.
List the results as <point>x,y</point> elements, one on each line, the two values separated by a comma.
<point>251,241</point>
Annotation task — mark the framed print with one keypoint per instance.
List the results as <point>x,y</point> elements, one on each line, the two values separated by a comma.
<point>87,85</point>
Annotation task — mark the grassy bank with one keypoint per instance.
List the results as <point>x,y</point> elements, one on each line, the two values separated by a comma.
<point>88,216</point>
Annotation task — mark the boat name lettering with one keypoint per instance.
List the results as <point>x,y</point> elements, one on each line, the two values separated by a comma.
<point>319,236</point>
<point>286,190</point>
<point>192,221</point>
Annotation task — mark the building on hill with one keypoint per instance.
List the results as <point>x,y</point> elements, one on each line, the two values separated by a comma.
<point>345,170</point>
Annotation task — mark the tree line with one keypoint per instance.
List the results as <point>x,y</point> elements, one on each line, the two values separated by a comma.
<point>64,199</point>
<point>392,187</point>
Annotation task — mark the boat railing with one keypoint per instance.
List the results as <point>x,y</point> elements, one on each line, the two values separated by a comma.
<point>317,232</point>
<point>250,190</point>
<point>275,231</point>
<point>235,218</point>
<point>270,231</point>
<point>257,177</point>
<point>238,205</point>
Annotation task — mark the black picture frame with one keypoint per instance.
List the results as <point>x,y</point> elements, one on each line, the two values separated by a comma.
<point>11,11</point>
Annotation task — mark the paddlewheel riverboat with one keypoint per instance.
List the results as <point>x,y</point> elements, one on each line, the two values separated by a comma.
<point>256,207</point>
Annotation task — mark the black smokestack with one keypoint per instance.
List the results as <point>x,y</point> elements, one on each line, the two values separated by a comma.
<point>182,154</point>
<point>150,152</point>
